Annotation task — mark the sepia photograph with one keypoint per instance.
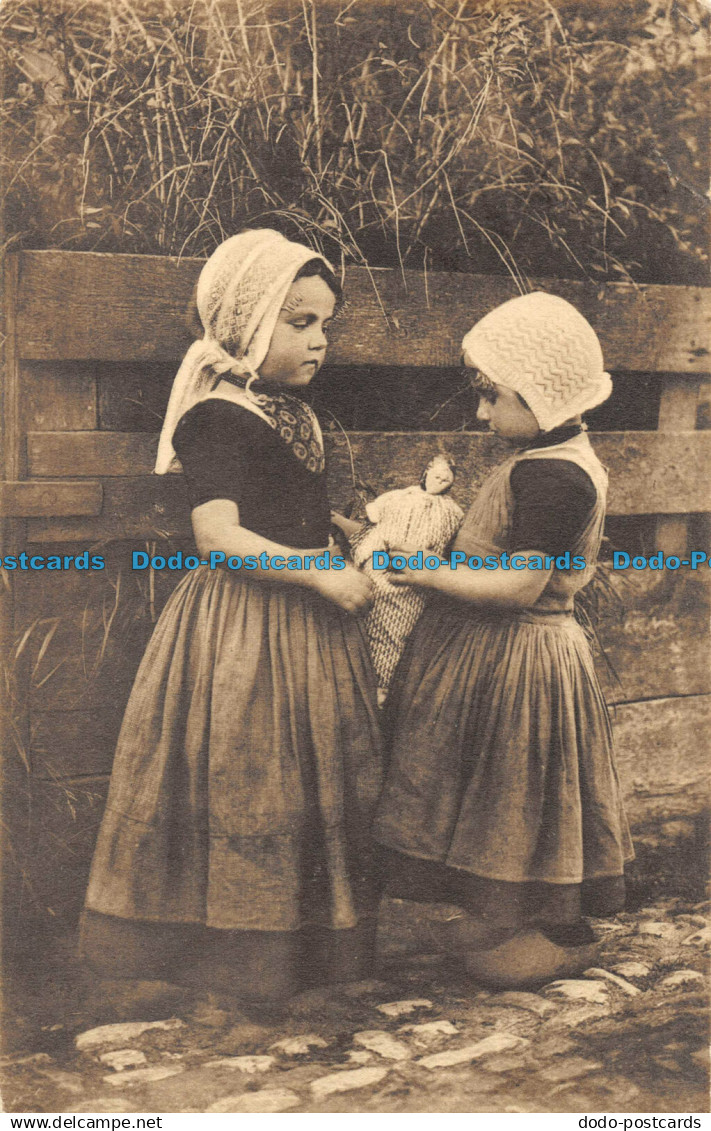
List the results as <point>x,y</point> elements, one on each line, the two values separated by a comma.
<point>355,559</point>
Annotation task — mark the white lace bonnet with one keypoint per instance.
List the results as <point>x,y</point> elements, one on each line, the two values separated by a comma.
<point>240,293</point>
<point>543,348</point>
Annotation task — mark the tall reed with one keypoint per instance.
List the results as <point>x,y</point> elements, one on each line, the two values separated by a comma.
<point>526,136</point>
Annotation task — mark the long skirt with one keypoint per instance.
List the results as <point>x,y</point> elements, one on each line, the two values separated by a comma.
<point>241,800</point>
<point>502,793</point>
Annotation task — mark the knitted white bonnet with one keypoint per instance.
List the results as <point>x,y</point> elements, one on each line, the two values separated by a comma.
<point>542,347</point>
<point>240,292</point>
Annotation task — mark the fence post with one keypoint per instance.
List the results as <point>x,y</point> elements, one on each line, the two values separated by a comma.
<point>14,767</point>
<point>677,413</point>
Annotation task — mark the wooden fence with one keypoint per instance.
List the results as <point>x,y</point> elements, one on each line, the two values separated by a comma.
<point>91,338</point>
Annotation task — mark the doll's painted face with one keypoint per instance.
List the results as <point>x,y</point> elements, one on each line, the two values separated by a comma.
<point>298,344</point>
<point>439,476</point>
<point>506,414</point>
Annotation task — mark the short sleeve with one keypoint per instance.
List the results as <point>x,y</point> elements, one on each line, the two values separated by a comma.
<point>212,445</point>
<point>553,501</point>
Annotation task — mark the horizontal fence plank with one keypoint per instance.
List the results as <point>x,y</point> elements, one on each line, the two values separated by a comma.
<point>85,305</point>
<point>76,453</point>
<point>662,764</point>
<point>56,397</point>
<point>651,472</point>
<point>45,499</point>
<point>655,635</point>
<point>144,507</point>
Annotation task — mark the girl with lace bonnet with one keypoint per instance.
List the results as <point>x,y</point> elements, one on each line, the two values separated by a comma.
<point>502,797</point>
<point>234,852</point>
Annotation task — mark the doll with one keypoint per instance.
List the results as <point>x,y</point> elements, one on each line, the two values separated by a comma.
<point>420,517</point>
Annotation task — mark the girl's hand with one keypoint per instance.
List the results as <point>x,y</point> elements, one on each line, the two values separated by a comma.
<point>348,588</point>
<point>347,525</point>
<point>420,578</point>
<point>405,551</point>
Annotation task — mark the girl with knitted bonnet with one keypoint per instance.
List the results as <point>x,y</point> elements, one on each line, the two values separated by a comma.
<point>234,853</point>
<point>502,803</point>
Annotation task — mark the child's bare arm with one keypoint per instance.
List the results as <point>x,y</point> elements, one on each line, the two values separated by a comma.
<point>513,589</point>
<point>216,527</point>
<point>348,525</point>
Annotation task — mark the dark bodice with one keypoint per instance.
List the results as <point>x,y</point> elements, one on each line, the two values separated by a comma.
<point>228,452</point>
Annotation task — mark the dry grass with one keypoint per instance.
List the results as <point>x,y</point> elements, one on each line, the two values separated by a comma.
<point>504,135</point>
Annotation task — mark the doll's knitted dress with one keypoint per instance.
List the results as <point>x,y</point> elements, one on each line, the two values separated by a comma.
<point>408,517</point>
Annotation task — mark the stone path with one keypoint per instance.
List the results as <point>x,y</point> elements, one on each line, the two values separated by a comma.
<point>628,1036</point>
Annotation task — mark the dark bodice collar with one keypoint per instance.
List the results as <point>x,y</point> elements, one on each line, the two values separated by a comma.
<point>556,436</point>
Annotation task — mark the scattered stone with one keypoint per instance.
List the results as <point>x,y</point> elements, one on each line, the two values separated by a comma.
<point>574,1018</point>
<point>400,1008</point>
<point>554,1046</point>
<point>699,938</point>
<point>210,1016</point>
<point>687,1002</point>
<point>609,927</point>
<point>701,1056</point>
<point>692,920</point>
<point>518,1021</point>
<point>309,1001</point>
<point>143,1075</point>
<point>682,978</point>
<point>505,1064</point>
<point>657,930</point>
<point>534,1003</point>
<point>497,1042</point>
<point>99,1104</point>
<point>70,1081</point>
<point>570,1069</point>
<point>121,1033</point>
<point>375,1040</point>
<point>249,1064</point>
<point>364,988</point>
<point>632,969</point>
<point>595,972</point>
<point>678,830</point>
<point>245,1036</point>
<point>299,1046</point>
<point>425,960</point>
<point>268,1100</point>
<point>665,906</point>
<point>359,1056</point>
<point>623,1091</point>
<point>120,1059</point>
<point>667,1064</point>
<point>429,1032</point>
<point>579,989</point>
<point>347,1081</point>
<point>23,1060</point>
<point>671,960</point>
